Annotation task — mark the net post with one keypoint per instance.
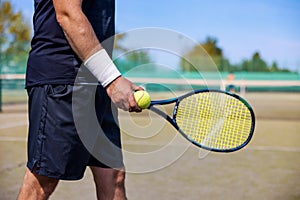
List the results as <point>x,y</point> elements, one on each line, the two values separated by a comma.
<point>243,89</point>
<point>0,93</point>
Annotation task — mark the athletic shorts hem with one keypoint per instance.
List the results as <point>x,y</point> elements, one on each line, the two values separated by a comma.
<point>43,172</point>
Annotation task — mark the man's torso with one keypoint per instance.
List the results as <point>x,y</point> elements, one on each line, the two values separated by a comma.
<point>51,59</point>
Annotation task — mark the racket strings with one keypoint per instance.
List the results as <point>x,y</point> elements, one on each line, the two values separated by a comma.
<point>214,120</point>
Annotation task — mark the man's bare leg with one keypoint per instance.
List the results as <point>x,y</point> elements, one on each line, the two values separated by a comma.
<point>36,187</point>
<point>110,183</point>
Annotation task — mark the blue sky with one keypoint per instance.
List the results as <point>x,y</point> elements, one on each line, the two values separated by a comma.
<point>241,27</point>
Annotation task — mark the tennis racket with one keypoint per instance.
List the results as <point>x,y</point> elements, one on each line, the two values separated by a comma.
<point>215,120</point>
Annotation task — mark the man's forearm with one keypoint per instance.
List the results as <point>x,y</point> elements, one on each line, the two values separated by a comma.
<point>77,28</point>
<point>83,40</point>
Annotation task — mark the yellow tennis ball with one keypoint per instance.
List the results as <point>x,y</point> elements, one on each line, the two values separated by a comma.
<point>142,98</point>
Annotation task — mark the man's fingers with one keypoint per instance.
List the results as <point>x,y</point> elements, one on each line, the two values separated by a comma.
<point>133,107</point>
<point>121,93</point>
<point>137,88</point>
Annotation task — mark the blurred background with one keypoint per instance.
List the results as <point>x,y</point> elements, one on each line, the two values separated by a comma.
<point>255,50</point>
<point>253,40</point>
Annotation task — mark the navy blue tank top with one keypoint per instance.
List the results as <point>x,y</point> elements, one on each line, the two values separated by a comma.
<point>51,59</point>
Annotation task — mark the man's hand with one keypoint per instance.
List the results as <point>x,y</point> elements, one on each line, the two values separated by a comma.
<point>121,93</point>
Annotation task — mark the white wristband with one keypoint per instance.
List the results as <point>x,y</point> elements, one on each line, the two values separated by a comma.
<point>102,67</point>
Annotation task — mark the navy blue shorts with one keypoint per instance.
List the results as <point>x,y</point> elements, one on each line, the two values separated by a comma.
<point>55,149</point>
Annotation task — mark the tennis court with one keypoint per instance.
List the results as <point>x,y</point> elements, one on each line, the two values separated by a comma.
<point>268,168</point>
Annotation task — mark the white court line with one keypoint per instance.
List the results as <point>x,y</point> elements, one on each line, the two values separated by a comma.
<point>273,148</point>
<point>252,148</point>
<point>12,139</point>
<point>13,124</point>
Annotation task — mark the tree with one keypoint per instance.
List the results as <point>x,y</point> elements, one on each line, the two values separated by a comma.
<point>274,67</point>
<point>198,56</point>
<point>128,60</point>
<point>197,60</point>
<point>15,34</point>
<point>133,60</point>
<point>255,64</point>
<point>210,46</point>
<point>258,64</point>
<point>118,42</point>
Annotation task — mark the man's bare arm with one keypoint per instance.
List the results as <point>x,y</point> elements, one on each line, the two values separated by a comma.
<point>77,28</point>
<point>85,44</point>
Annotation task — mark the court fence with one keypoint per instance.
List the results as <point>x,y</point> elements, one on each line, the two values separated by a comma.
<point>12,85</point>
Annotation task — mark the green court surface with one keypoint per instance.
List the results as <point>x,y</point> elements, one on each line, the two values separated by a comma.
<point>268,168</point>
